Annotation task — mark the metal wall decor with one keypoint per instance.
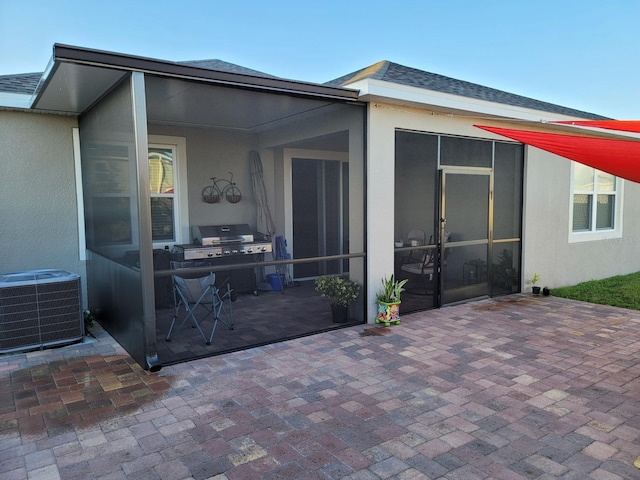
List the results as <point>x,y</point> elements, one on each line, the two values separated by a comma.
<point>221,188</point>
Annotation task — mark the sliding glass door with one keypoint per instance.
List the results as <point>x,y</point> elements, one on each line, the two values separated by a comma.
<point>319,203</point>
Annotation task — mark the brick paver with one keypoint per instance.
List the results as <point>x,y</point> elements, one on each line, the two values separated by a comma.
<point>520,387</point>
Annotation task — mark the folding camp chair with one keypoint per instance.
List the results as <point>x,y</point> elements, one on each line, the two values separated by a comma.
<point>192,293</point>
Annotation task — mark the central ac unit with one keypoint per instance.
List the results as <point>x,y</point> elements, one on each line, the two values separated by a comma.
<point>39,308</point>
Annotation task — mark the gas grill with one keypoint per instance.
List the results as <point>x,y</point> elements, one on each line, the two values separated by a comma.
<point>219,241</point>
<point>221,245</point>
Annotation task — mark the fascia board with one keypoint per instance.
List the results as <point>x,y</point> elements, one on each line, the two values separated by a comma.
<point>377,90</point>
<point>15,100</point>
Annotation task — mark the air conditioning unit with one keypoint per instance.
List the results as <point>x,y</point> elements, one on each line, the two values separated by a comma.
<point>39,308</point>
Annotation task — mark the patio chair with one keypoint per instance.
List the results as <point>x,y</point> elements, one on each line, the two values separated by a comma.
<point>415,238</point>
<point>423,270</point>
<point>200,294</point>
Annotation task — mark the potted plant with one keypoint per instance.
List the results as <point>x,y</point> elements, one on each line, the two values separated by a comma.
<point>341,292</point>
<point>533,282</point>
<point>505,275</point>
<point>389,301</point>
<point>90,316</point>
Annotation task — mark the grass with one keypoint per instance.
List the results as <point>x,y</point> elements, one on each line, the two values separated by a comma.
<point>619,291</point>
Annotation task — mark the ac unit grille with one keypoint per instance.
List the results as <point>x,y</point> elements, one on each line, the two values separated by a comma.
<point>45,309</point>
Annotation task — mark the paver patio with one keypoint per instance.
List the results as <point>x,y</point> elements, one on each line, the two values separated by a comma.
<point>519,387</point>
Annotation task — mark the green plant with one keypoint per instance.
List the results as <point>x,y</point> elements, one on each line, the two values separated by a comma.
<point>90,316</point>
<point>391,290</point>
<point>534,280</point>
<point>505,275</point>
<point>341,291</point>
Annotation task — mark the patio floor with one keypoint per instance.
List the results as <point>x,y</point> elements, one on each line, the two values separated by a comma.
<point>518,387</point>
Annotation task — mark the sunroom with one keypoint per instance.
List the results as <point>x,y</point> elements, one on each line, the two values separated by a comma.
<point>171,150</point>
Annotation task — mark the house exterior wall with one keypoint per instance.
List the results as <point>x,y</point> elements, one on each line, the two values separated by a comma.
<point>546,249</point>
<point>383,121</point>
<point>213,153</point>
<point>380,176</point>
<point>38,205</point>
<point>547,195</point>
<point>39,208</point>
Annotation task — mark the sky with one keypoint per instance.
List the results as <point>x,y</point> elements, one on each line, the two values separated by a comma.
<point>582,54</point>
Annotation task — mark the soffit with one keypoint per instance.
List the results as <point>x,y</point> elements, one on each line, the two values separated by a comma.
<point>179,93</point>
<point>187,103</point>
<point>71,88</point>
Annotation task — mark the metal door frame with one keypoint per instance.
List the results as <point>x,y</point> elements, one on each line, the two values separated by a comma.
<point>442,225</point>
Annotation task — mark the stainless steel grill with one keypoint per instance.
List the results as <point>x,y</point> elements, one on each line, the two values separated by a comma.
<point>221,245</point>
<point>219,241</point>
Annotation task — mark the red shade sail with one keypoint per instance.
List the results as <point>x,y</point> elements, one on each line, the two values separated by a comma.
<point>621,125</point>
<point>617,157</point>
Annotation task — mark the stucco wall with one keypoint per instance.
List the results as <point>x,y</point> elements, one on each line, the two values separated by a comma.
<point>546,249</point>
<point>383,120</point>
<point>212,153</point>
<point>39,227</point>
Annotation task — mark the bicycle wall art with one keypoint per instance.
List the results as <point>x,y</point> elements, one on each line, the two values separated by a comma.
<point>221,188</point>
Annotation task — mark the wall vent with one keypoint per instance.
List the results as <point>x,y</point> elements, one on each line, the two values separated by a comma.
<point>39,308</point>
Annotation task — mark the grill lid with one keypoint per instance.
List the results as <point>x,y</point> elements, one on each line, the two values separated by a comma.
<point>221,234</point>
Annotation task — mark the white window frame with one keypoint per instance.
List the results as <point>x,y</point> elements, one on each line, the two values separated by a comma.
<point>180,194</point>
<point>593,234</point>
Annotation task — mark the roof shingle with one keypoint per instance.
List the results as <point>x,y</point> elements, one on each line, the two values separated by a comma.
<point>221,65</point>
<point>385,70</point>
<point>399,74</point>
<point>23,83</point>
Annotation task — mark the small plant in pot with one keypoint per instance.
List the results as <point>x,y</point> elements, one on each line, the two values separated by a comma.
<point>389,301</point>
<point>90,316</point>
<point>341,292</point>
<point>533,282</point>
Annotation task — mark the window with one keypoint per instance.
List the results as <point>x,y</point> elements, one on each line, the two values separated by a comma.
<point>162,194</point>
<point>595,202</point>
<point>167,175</point>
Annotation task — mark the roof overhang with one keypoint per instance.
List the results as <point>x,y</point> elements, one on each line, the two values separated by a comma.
<point>374,90</point>
<point>79,77</point>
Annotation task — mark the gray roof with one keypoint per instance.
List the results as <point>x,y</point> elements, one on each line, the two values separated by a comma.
<point>395,73</point>
<point>24,83</point>
<point>215,64</point>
